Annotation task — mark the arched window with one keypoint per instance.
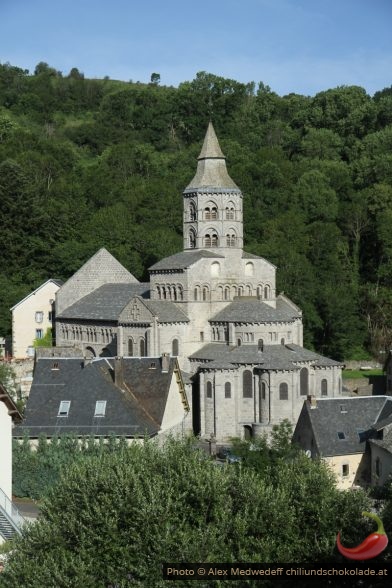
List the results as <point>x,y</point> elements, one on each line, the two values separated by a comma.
<point>142,347</point>
<point>259,291</point>
<point>180,293</point>
<point>304,382</point>
<point>249,290</point>
<point>175,347</point>
<point>227,390</point>
<point>249,269</point>
<point>207,213</point>
<point>205,293</point>
<point>229,212</point>
<point>230,240</point>
<point>207,241</point>
<point>239,342</point>
<point>209,390</point>
<point>159,292</point>
<point>215,268</point>
<point>227,293</point>
<point>192,211</point>
<point>283,391</point>
<point>214,212</point>
<point>260,345</point>
<point>282,341</point>
<point>266,292</point>
<point>130,347</point>
<point>214,240</point>
<point>263,390</point>
<point>192,239</point>
<point>196,293</point>
<point>324,387</point>
<point>247,387</point>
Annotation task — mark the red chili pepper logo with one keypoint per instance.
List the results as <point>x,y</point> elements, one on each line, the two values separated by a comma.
<point>372,546</point>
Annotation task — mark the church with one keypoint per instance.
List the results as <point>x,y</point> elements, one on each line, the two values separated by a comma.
<point>213,306</point>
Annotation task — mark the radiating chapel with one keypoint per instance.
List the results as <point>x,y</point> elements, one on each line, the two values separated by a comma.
<point>213,306</point>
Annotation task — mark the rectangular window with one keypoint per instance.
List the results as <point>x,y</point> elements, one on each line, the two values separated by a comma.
<point>50,315</point>
<point>39,317</point>
<point>100,408</point>
<point>345,470</point>
<point>39,333</point>
<point>64,408</point>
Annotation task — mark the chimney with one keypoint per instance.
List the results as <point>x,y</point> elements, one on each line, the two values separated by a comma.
<point>165,362</point>
<point>119,372</point>
<point>312,401</point>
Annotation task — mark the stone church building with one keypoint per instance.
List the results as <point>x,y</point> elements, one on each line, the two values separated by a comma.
<point>213,306</point>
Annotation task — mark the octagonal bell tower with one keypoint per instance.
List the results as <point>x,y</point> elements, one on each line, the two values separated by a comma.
<point>212,203</point>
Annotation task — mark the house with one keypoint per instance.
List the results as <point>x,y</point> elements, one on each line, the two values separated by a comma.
<point>131,397</point>
<point>9,416</point>
<point>213,306</point>
<point>352,434</point>
<point>32,317</point>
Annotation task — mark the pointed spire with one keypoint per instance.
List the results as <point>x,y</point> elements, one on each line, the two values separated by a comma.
<point>211,148</point>
<point>211,165</point>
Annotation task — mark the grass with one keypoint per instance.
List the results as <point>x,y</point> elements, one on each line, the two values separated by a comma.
<point>357,374</point>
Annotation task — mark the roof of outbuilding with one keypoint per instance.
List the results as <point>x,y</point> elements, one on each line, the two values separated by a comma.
<point>106,302</point>
<point>352,417</point>
<point>166,311</point>
<point>255,311</point>
<point>135,408</point>
<point>273,357</point>
<point>180,261</point>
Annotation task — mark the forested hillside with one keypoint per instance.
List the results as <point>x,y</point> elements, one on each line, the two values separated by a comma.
<point>91,163</point>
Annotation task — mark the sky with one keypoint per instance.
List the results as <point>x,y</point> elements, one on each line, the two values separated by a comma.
<point>301,46</point>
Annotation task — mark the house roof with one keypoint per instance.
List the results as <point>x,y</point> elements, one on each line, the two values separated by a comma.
<point>256,311</point>
<point>106,302</point>
<point>353,417</point>
<point>385,443</point>
<point>273,357</point>
<point>134,407</point>
<point>183,260</point>
<point>10,404</point>
<point>56,282</point>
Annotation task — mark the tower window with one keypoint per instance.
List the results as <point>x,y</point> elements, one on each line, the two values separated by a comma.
<point>214,240</point>
<point>227,390</point>
<point>175,347</point>
<point>324,387</point>
<point>230,240</point>
<point>207,241</point>
<point>192,211</point>
<point>209,390</point>
<point>192,239</point>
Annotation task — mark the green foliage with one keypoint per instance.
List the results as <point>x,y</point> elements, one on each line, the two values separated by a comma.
<point>119,515</point>
<point>91,163</point>
<point>46,341</point>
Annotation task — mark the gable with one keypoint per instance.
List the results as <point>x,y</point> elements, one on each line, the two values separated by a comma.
<point>135,312</point>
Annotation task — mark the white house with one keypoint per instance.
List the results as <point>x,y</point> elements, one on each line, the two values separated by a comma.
<point>32,317</point>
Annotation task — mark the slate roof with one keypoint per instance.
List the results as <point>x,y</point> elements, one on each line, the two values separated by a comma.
<point>348,415</point>
<point>255,311</point>
<point>106,302</point>
<point>166,311</point>
<point>273,357</point>
<point>135,409</point>
<point>385,443</point>
<point>180,261</point>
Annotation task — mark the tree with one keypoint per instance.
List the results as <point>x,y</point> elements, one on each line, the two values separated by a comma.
<point>155,78</point>
<point>118,516</point>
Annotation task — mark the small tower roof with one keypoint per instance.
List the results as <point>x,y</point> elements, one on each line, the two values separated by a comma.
<point>211,166</point>
<point>211,147</point>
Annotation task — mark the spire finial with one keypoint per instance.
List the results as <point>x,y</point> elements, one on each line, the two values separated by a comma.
<point>211,148</point>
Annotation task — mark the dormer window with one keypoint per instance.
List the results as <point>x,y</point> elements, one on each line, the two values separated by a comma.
<point>64,408</point>
<point>100,408</point>
<point>55,365</point>
<point>341,436</point>
<point>343,409</point>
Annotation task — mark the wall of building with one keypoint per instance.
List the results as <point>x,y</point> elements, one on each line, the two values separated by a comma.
<point>381,473</point>
<point>27,319</point>
<point>357,469</point>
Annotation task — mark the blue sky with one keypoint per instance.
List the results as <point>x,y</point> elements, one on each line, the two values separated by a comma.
<point>301,46</point>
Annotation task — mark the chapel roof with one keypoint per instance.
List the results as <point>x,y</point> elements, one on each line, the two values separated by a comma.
<point>256,311</point>
<point>183,260</point>
<point>106,302</point>
<point>272,357</point>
